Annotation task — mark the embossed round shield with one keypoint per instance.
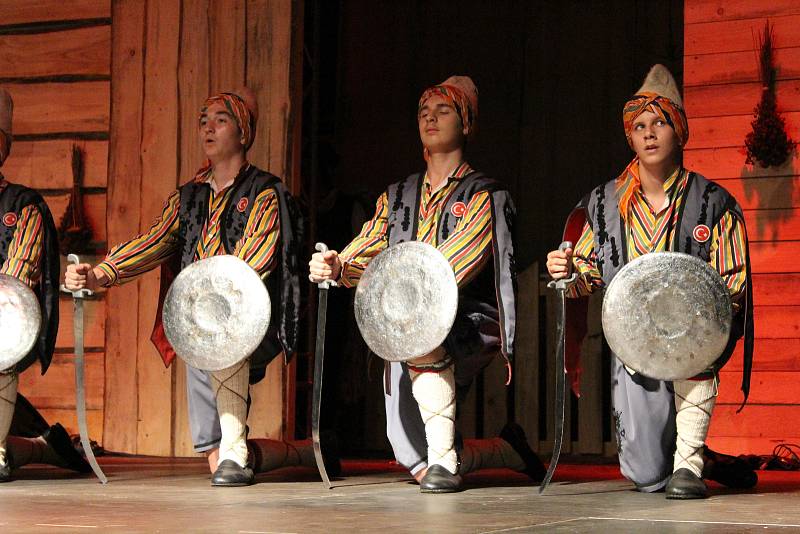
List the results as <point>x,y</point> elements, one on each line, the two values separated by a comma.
<point>667,315</point>
<point>406,301</point>
<point>216,312</point>
<point>20,321</point>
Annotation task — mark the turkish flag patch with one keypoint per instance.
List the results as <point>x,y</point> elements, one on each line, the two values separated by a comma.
<point>242,204</point>
<point>701,233</point>
<point>10,219</point>
<point>458,209</point>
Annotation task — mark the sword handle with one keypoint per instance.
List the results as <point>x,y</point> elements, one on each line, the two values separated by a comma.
<point>563,283</point>
<point>81,293</point>
<point>325,284</point>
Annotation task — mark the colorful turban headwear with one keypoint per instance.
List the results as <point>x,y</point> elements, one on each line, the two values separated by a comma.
<point>461,93</point>
<point>658,94</point>
<point>6,112</point>
<point>243,108</point>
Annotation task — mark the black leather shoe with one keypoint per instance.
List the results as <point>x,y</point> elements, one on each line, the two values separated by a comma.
<point>515,436</point>
<point>229,473</point>
<point>686,485</point>
<point>439,480</point>
<point>728,470</point>
<point>58,440</point>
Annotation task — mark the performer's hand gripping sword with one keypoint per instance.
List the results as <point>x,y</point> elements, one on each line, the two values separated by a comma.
<point>80,389</point>
<point>319,354</point>
<point>561,371</point>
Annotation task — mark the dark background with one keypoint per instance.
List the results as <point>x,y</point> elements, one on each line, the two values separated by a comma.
<point>552,77</point>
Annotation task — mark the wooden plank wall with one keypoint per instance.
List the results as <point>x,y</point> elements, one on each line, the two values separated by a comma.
<point>167,57</point>
<point>55,60</point>
<point>721,90</point>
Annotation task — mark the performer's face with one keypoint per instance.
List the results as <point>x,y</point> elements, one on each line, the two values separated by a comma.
<point>219,134</point>
<point>440,127</point>
<point>654,140</point>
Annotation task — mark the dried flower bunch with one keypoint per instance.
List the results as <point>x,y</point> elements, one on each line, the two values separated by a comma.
<point>768,144</point>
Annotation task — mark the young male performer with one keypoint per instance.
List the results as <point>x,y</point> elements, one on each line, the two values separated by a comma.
<point>658,205</point>
<point>230,207</point>
<point>468,217</point>
<point>29,252</point>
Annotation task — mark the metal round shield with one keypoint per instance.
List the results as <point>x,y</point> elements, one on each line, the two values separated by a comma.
<point>667,315</point>
<point>20,321</point>
<point>406,301</point>
<point>216,312</point>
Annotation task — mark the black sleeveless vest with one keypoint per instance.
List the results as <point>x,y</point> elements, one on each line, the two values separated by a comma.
<point>283,284</point>
<point>486,316</point>
<point>12,200</point>
<point>704,203</point>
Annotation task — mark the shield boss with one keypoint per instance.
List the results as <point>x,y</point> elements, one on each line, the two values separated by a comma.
<point>406,301</point>
<point>667,315</point>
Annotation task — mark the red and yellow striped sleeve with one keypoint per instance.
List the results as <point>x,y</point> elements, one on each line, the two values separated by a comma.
<point>25,250</point>
<point>146,251</point>
<point>728,253</point>
<point>584,260</point>
<point>470,245</point>
<point>370,241</point>
<point>261,234</point>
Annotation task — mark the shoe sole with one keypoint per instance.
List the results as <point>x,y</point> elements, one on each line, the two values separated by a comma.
<point>440,490</point>
<point>231,484</point>
<point>686,497</point>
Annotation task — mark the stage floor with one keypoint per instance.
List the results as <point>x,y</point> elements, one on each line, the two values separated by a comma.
<point>174,495</point>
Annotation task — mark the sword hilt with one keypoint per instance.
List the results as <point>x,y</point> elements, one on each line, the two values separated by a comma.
<point>81,293</point>
<point>563,283</point>
<point>325,284</point>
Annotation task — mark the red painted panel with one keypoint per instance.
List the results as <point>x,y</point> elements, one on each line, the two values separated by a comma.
<point>737,98</point>
<point>737,67</point>
<point>737,35</point>
<point>775,257</point>
<point>766,387</point>
<point>729,162</point>
<point>716,132</point>
<point>717,10</point>
<point>776,289</point>
<point>770,355</point>
<point>777,322</point>
<point>756,421</point>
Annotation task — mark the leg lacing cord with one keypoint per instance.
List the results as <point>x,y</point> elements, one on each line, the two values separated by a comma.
<point>692,419</point>
<point>230,446</point>
<point>219,384</point>
<point>436,400</point>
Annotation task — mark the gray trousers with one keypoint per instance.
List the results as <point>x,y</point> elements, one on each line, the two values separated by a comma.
<point>644,416</point>
<point>203,416</point>
<point>404,426</point>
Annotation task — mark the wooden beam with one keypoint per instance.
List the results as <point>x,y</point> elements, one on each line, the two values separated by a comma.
<point>48,164</point>
<point>737,98</point>
<point>159,178</point>
<point>94,208</point>
<point>698,11</point>
<point>16,12</point>
<point>124,204</point>
<point>60,107</point>
<point>737,67</point>
<point>740,35</point>
<point>227,41</point>
<point>723,163</point>
<point>716,132</point>
<point>82,51</point>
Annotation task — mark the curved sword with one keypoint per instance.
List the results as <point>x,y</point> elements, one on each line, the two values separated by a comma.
<point>319,355</point>
<point>80,388</point>
<point>560,287</point>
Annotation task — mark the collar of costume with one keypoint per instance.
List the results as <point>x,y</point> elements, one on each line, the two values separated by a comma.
<point>665,108</point>
<point>461,170</point>
<point>206,173</point>
<point>628,184</point>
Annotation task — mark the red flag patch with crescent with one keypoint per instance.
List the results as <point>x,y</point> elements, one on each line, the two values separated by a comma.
<point>458,209</point>
<point>10,219</point>
<point>701,233</point>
